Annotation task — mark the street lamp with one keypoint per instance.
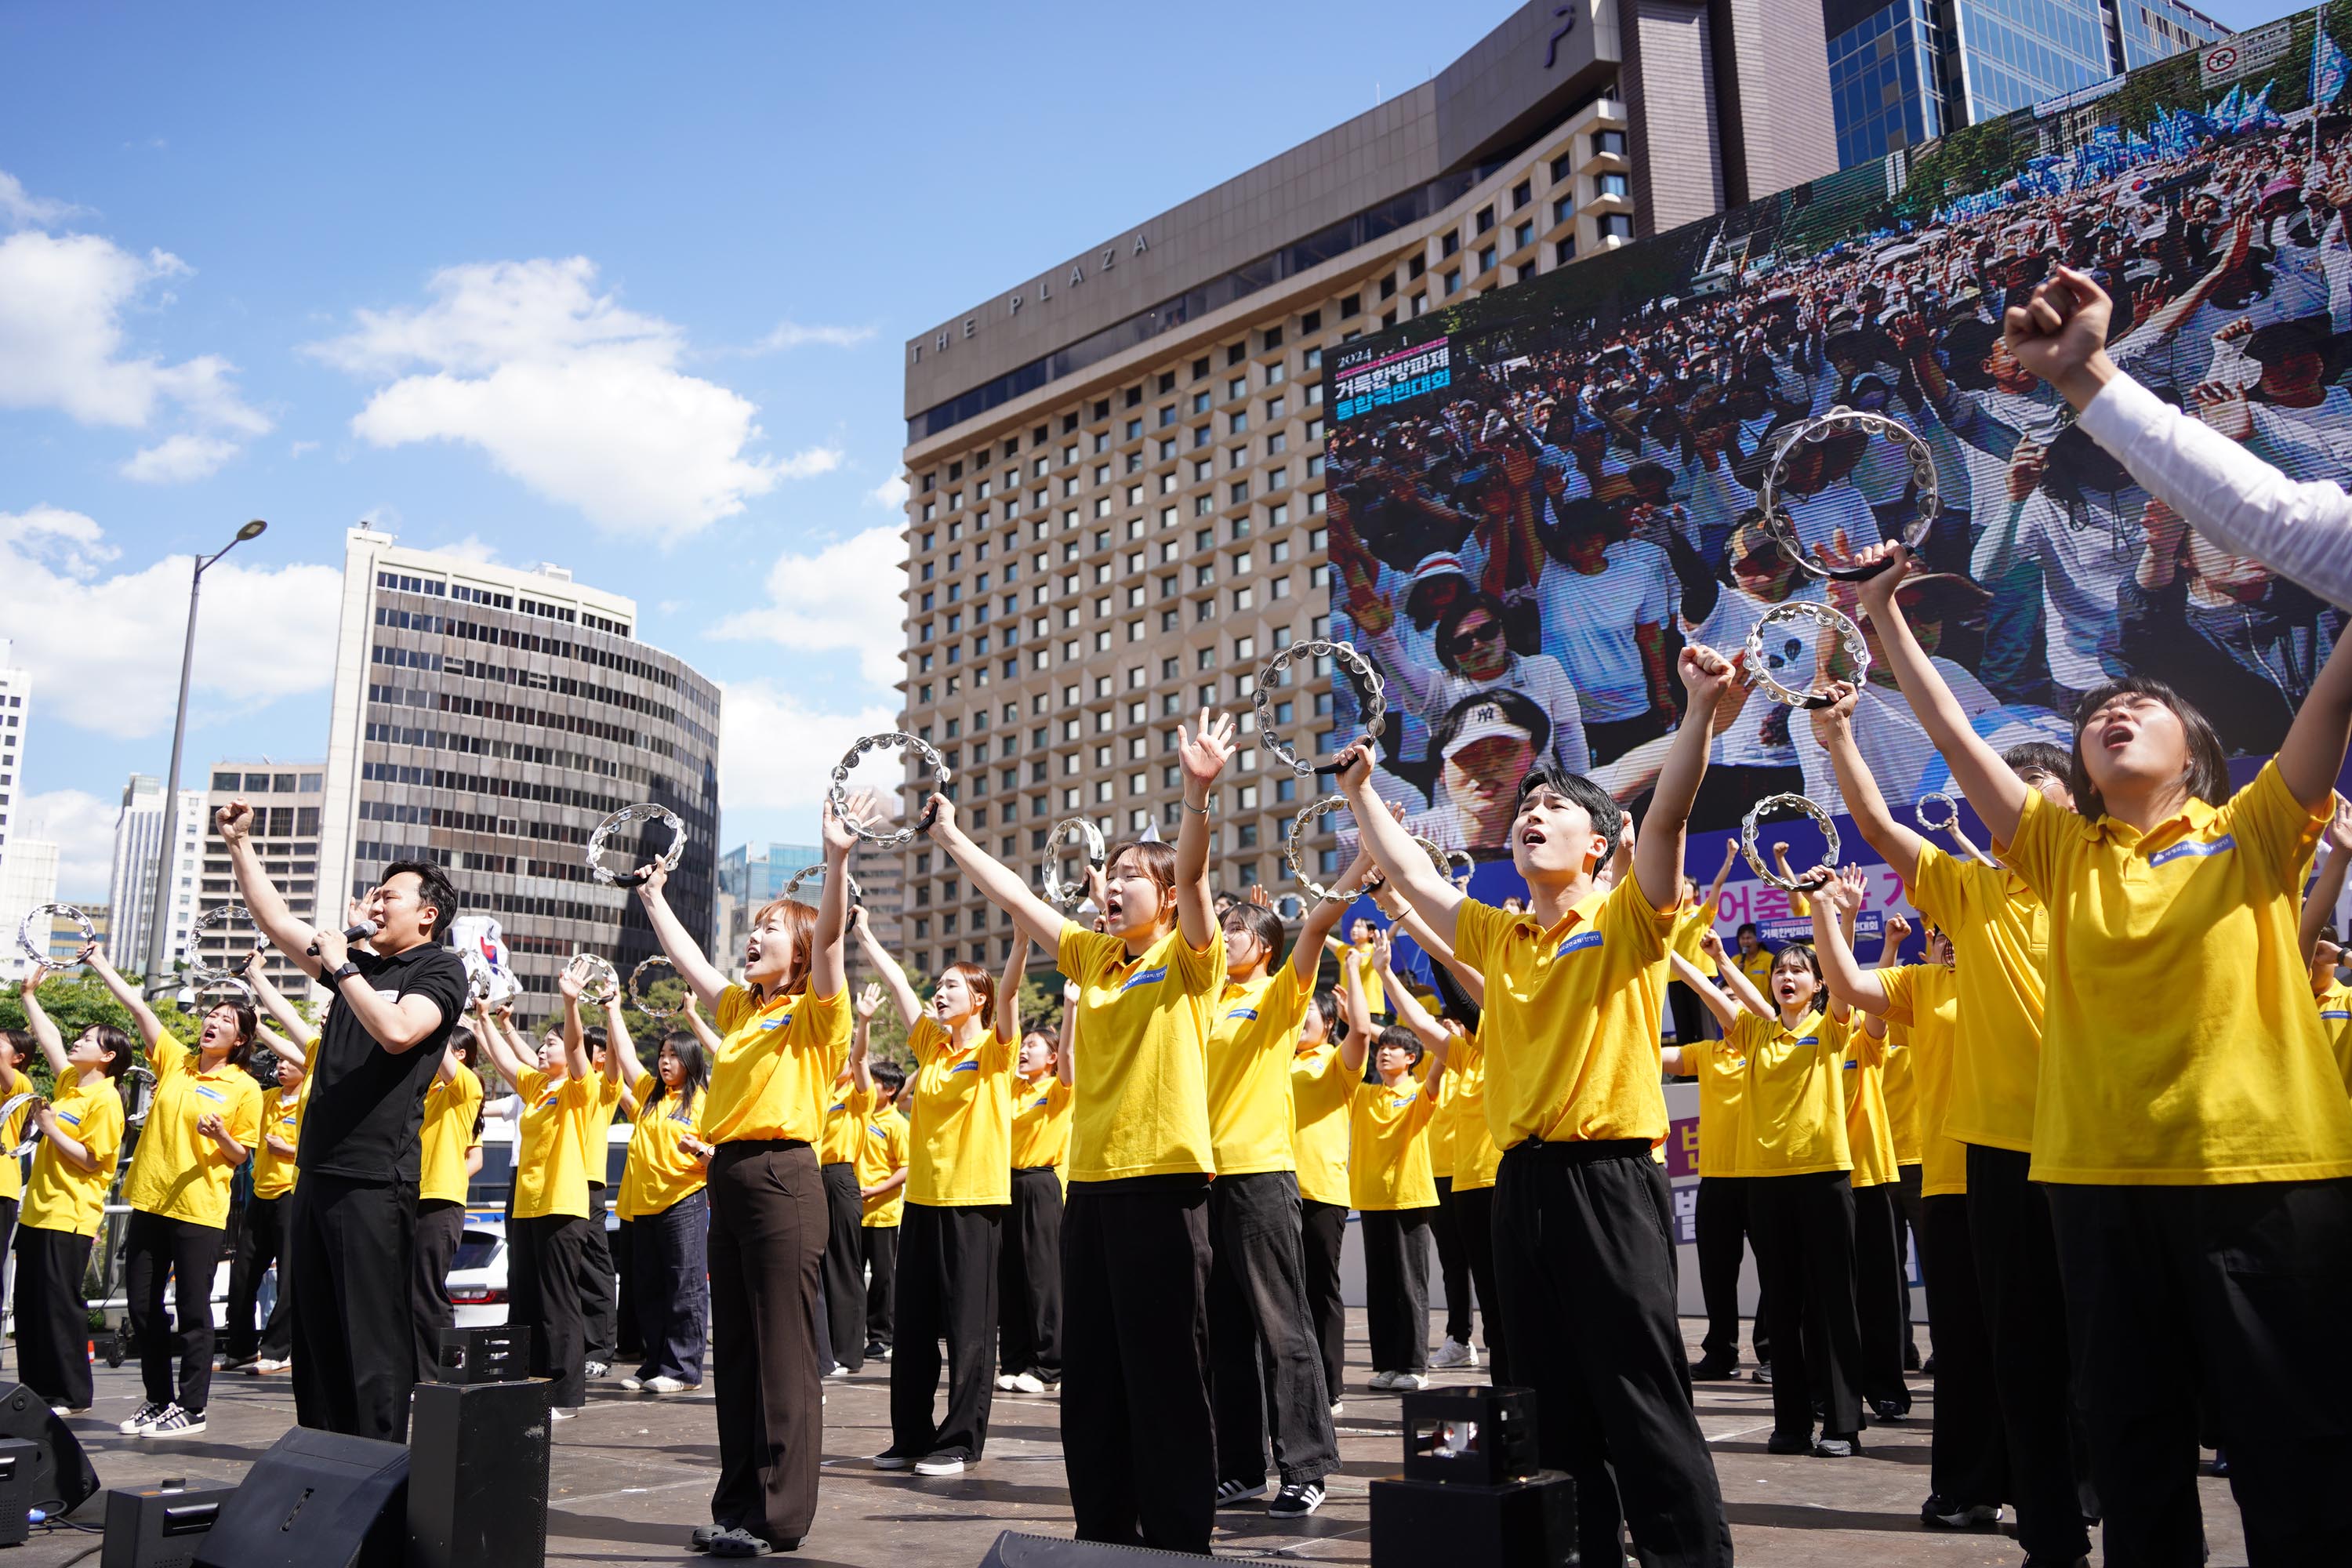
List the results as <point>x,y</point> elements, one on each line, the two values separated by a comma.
<point>159,935</point>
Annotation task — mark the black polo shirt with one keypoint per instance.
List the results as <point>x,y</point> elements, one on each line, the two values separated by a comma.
<point>367,1104</point>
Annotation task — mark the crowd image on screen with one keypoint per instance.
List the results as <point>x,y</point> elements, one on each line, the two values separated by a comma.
<point>1525,551</point>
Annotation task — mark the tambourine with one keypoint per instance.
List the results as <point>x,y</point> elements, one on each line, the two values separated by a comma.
<point>805,872</point>
<point>1289,907</point>
<point>138,1073</point>
<point>1758,663</point>
<point>41,915</point>
<point>941,776</point>
<point>600,969</point>
<point>241,994</point>
<point>1438,857</point>
<point>598,840</point>
<point>1090,837</point>
<point>1782,527</point>
<point>637,989</point>
<point>1468,865</point>
<point>9,1108</point>
<point>223,919</point>
<point>1951,811</point>
<point>1344,655</point>
<point>1795,803</point>
<point>1294,851</point>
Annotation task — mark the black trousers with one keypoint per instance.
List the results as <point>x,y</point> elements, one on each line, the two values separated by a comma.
<point>600,1300</point>
<point>1474,1209</point>
<point>1452,1263</point>
<point>2016,1260</point>
<point>1323,1233</point>
<point>1910,1235</point>
<point>1029,1278</point>
<point>767,1254</point>
<point>947,1259</point>
<point>1803,1229</point>
<point>1139,1443</point>
<point>440,1226</point>
<point>1719,1216</point>
<point>547,1270</point>
<point>1969,1456</point>
<point>844,1265</point>
<point>53,1316</point>
<point>1881,1288</point>
<point>1266,1369</point>
<point>1396,1287</point>
<point>260,1242</point>
<point>629,1340</point>
<point>881,1248</point>
<point>8,1208</point>
<point>2246,1286</point>
<point>154,1249</point>
<point>1584,1273</point>
<point>353,1246</point>
<point>669,1270</point>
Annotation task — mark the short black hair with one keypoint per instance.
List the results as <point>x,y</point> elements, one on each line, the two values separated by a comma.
<point>1607,816</point>
<point>1743,928</point>
<point>889,1075</point>
<point>1402,1038</point>
<point>1260,922</point>
<point>2029,758</point>
<point>2206,772</point>
<point>432,887</point>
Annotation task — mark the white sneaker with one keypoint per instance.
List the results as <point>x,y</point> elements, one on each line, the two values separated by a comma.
<point>939,1464</point>
<point>146,1416</point>
<point>267,1366</point>
<point>1232,1492</point>
<point>1454,1353</point>
<point>632,1386</point>
<point>597,1368</point>
<point>836,1370</point>
<point>1027,1383</point>
<point>1004,1383</point>
<point>665,1384</point>
<point>1408,1382</point>
<point>69,1409</point>
<point>1381,1380</point>
<point>175,1423</point>
<point>558,1413</point>
<point>1337,1408</point>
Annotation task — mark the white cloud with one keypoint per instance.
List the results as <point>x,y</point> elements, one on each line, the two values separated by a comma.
<point>104,646</point>
<point>82,828</point>
<point>777,753</point>
<point>793,335</point>
<point>846,596</point>
<point>179,459</point>
<point>472,547</point>
<point>567,392</point>
<point>891,493</point>
<point>300,448</point>
<point>18,208</point>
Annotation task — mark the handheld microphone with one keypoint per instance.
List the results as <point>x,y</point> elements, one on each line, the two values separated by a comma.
<point>358,931</point>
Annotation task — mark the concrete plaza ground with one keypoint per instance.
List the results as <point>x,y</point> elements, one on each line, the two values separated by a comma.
<point>633,1476</point>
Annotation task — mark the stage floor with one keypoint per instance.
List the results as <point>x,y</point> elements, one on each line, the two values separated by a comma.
<point>633,1476</point>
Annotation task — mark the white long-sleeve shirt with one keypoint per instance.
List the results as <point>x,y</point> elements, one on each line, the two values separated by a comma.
<point>2301,530</point>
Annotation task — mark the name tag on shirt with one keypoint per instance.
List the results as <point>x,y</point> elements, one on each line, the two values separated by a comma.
<point>2227,841</point>
<point>1248,1013</point>
<point>1578,943</point>
<point>1144,977</point>
<point>548,1103</point>
<point>212,1094</point>
<point>70,1119</point>
<point>392,996</point>
<point>964,1067</point>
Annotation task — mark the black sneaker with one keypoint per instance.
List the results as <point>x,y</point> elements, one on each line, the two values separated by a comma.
<point>1763,1375</point>
<point>1297,1501</point>
<point>176,1423</point>
<point>1232,1492</point>
<point>1826,1446</point>
<point>1928,1366</point>
<point>1788,1442</point>
<point>1942,1513</point>
<point>1888,1409</point>
<point>1707,1369</point>
<point>1910,1358</point>
<point>877,1351</point>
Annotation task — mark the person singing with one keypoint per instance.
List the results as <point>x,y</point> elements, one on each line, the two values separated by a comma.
<point>452,1139</point>
<point>663,1203</point>
<point>262,1239</point>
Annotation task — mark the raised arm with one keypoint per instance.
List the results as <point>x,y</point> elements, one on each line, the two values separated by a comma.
<point>2327,885</point>
<point>1725,1010</point>
<point>700,1025</point>
<point>1733,979</point>
<point>571,984</point>
<point>685,955</point>
<point>2313,754</point>
<point>1833,728</point>
<point>1203,755</point>
<point>299,1037</point>
<point>151,1027</point>
<point>621,1063</point>
<point>861,1061</point>
<point>288,933</point>
<point>828,974</point>
<point>998,883</point>
<point>1472,984</point>
<point>1408,1010</point>
<point>506,1050</point>
<point>1008,991</point>
<point>1968,845</point>
<point>1848,981</point>
<point>1359,1019</point>
<point>1408,869</point>
<point>1322,919</point>
<point>53,1045</point>
<point>1723,872</point>
<point>1065,1060</point>
<point>1706,676</point>
<point>1434,1057</point>
<point>894,975</point>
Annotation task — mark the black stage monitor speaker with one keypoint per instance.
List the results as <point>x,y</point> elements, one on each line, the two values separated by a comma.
<point>478,1475</point>
<point>317,1499</point>
<point>1014,1550</point>
<point>1528,1523</point>
<point>159,1527</point>
<point>18,1462</point>
<point>60,1473</point>
<point>498,1354</point>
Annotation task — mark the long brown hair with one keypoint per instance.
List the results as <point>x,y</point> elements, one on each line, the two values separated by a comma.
<point>982,984</point>
<point>1158,860</point>
<point>800,924</point>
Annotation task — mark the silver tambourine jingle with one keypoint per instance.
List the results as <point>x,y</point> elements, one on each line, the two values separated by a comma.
<point>601,838</point>
<point>941,776</point>
<point>1763,663</point>
<point>1069,896</point>
<point>1928,501</point>
<point>1951,818</point>
<point>1762,808</point>
<point>601,982</point>
<point>637,983</point>
<point>138,1089</point>
<point>1293,848</point>
<point>32,1138</point>
<point>805,872</point>
<point>41,916</point>
<point>225,919</point>
<point>1345,656</point>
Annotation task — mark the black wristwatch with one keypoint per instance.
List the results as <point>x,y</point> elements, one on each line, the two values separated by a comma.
<point>335,977</point>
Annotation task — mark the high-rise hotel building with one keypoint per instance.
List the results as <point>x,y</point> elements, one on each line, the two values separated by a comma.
<point>487,719</point>
<point>1116,504</point>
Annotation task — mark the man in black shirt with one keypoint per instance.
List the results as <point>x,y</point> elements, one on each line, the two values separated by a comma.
<point>351,1233</point>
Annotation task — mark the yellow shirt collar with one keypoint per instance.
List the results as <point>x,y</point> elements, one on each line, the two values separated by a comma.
<point>2194,817</point>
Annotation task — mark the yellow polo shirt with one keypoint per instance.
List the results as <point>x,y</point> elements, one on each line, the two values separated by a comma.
<point>1794,1103</point>
<point>59,1197</point>
<point>1388,1132</point>
<point>1571,1017</point>
<point>12,1133</point>
<point>1902,1090</point>
<point>659,1174</point>
<point>1252,1034</point>
<point>451,1110</point>
<point>777,1059</point>
<point>596,1127</point>
<point>1143,1051</point>
<point>2334,1006</point>
<point>1318,1140</point>
<point>274,1173</point>
<point>1040,1123</point>
<point>887,1148</point>
<point>178,1173</point>
<point>1688,926</point>
<point>1721,1069</point>
<point>1756,965</point>
<point>2001,935</point>
<point>963,1118</point>
<point>844,1123</point>
<point>1925,999</point>
<point>1361,958</point>
<point>1475,1158</point>
<point>1869,1135</point>
<point>2192,1052</point>
<point>550,1172</point>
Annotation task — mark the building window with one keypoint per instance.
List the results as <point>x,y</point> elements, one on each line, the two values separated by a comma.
<point>1487,259</point>
<point>1616,185</point>
<point>1617,226</point>
<point>1564,252</point>
<point>1521,193</point>
<point>1454,281</point>
<point>1523,235</point>
<point>1610,142</point>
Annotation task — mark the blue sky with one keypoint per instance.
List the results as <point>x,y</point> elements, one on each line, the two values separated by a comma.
<point>618,287</point>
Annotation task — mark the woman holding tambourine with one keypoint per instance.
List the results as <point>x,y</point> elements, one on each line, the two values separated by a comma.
<point>201,1125</point>
<point>782,1032</point>
<point>662,1202</point>
<point>80,1129</point>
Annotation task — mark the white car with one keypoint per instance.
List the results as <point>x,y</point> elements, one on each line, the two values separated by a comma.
<point>478,1275</point>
